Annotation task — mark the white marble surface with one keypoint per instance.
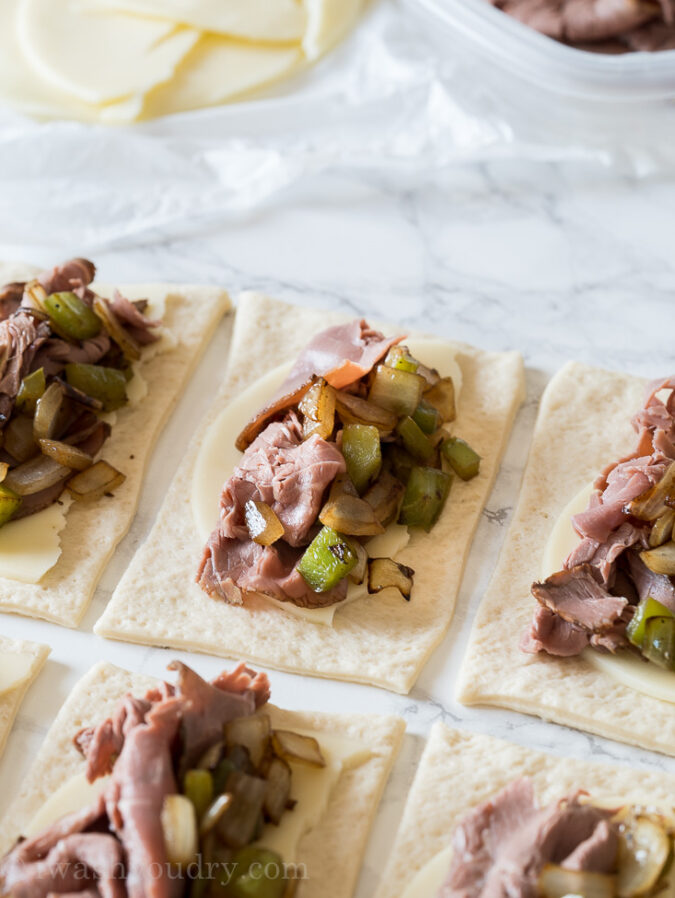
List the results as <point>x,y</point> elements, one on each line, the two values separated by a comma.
<point>557,261</point>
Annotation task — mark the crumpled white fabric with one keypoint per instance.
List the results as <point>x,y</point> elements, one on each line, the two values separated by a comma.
<point>402,98</point>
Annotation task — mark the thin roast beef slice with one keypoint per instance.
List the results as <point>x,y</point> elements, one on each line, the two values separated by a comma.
<point>578,597</point>
<point>547,632</point>
<point>139,326</point>
<point>73,275</point>
<point>55,354</point>
<point>232,567</point>
<point>603,556</point>
<point>141,778</point>
<point>647,583</point>
<point>287,473</point>
<point>10,298</point>
<point>20,338</point>
<point>341,354</point>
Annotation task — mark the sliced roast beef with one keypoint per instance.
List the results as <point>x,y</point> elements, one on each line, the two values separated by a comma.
<point>548,632</point>
<point>77,273</point>
<point>232,567</point>
<point>55,354</point>
<point>501,846</point>
<point>139,326</point>
<point>20,338</point>
<point>341,354</point>
<point>603,555</point>
<point>287,473</point>
<point>658,586</point>
<point>578,596</point>
<point>10,298</point>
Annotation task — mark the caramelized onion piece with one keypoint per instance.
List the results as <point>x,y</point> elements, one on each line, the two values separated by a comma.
<point>557,882</point>
<point>294,747</point>
<point>35,475</point>
<point>278,776</point>
<point>264,527</point>
<point>251,732</point>
<point>653,502</point>
<point>396,390</point>
<point>19,439</point>
<point>50,412</point>
<point>111,322</point>
<point>318,409</point>
<point>179,827</point>
<point>354,410</point>
<point>350,515</point>
<point>214,813</point>
<point>661,560</point>
<point>358,574</point>
<point>644,847</point>
<point>96,481</point>
<point>662,528</point>
<point>385,497</point>
<point>4,468</point>
<point>385,572</point>
<point>69,456</point>
<point>442,397</point>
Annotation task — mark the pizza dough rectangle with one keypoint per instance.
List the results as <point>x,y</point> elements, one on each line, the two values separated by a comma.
<point>583,424</point>
<point>460,770</point>
<point>11,701</point>
<point>332,851</point>
<point>93,530</point>
<point>381,640</point>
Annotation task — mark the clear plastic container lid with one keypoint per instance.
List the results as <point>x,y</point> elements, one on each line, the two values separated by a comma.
<point>507,43</point>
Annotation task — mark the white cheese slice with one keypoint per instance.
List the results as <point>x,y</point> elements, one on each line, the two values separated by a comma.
<point>22,87</point>
<point>218,457</point>
<point>95,56</point>
<point>327,22</point>
<point>31,546</point>
<point>219,69</point>
<point>311,789</point>
<point>627,669</point>
<point>15,669</point>
<point>75,794</point>
<point>430,878</point>
<point>254,20</point>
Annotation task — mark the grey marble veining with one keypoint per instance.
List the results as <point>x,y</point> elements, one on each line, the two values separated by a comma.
<point>555,261</point>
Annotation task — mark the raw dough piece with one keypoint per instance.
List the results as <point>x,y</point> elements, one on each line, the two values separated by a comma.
<point>459,770</point>
<point>10,701</point>
<point>381,640</point>
<point>583,424</point>
<point>93,530</point>
<point>332,850</point>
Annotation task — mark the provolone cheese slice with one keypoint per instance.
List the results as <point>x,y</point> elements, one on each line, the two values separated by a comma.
<point>27,92</point>
<point>256,20</point>
<point>327,22</point>
<point>219,69</point>
<point>311,788</point>
<point>430,878</point>
<point>31,546</point>
<point>97,56</point>
<point>218,457</point>
<point>627,669</point>
<point>15,669</point>
<point>75,794</point>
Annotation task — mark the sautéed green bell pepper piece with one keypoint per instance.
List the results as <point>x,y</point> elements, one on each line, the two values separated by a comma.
<point>425,495</point>
<point>658,646</point>
<point>414,440</point>
<point>259,873</point>
<point>362,453</point>
<point>32,387</point>
<point>646,609</point>
<point>327,560</point>
<point>461,457</point>
<point>108,385</point>
<point>198,787</point>
<point>427,417</point>
<point>9,503</point>
<point>72,316</point>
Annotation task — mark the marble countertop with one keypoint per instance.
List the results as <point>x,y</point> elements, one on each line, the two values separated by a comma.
<point>556,260</point>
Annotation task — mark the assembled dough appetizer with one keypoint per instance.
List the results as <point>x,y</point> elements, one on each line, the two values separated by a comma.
<point>20,663</point>
<point>487,818</point>
<point>334,545</point>
<point>88,375</point>
<point>604,619</point>
<point>200,789</point>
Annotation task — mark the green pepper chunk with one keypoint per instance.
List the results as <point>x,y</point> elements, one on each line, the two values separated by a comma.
<point>72,316</point>
<point>658,645</point>
<point>198,787</point>
<point>427,417</point>
<point>417,443</point>
<point>108,385</point>
<point>400,461</point>
<point>425,495</point>
<point>398,357</point>
<point>32,387</point>
<point>362,453</point>
<point>259,873</point>
<point>461,457</point>
<point>220,775</point>
<point>327,560</point>
<point>9,503</point>
<point>646,609</point>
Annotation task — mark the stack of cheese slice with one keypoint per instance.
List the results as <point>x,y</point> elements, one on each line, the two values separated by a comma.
<point>117,61</point>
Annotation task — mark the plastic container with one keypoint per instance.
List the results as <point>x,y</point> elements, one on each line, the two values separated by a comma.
<point>546,63</point>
